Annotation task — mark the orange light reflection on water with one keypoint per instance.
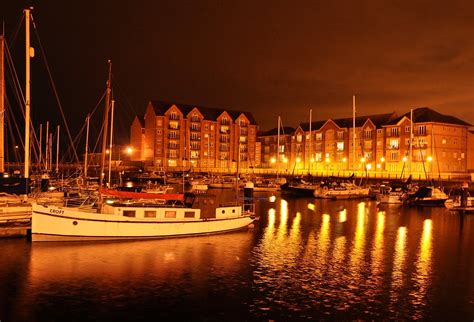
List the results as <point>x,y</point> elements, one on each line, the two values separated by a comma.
<point>343,215</point>
<point>397,273</point>
<point>357,253</point>
<point>422,274</point>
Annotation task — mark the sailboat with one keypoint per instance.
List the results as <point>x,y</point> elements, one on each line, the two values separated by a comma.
<point>14,204</point>
<point>118,215</point>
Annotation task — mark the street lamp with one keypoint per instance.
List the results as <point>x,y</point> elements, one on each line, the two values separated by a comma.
<point>430,159</point>
<point>382,160</point>
<point>327,164</point>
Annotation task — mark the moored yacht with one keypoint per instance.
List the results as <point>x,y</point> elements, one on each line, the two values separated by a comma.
<point>149,216</point>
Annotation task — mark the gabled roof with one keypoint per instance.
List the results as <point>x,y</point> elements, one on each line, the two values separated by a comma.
<point>140,119</point>
<point>286,130</point>
<point>209,113</point>
<point>377,119</point>
<point>426,114</point>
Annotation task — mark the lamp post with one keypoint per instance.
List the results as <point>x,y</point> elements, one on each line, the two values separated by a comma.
<point>327,164</point>
<point>382,161</point>
<point>404,162</point>
<point>430,160</point>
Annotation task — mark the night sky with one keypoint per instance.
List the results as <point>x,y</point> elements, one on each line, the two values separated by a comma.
<point>267,57</point>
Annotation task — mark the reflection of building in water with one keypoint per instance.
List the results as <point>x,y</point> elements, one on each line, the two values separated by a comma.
<point>357,254</point>
<point>377,248</point>
<point>343,215</point>
<point>397,273</point>
<point>422,275</point>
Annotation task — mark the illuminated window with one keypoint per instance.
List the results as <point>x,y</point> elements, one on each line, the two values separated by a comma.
<point>150,214</point>
<point>443,141</point>
<point>170,214</point>
<point>393,143</point>
<point>299,138</point>
<point>407,129</point>
<point>318,157</point>
<point>340,146</point>
<point>367,144</point>
<point>368,134</point>
<point>421,130</point>
<point>319,136</point>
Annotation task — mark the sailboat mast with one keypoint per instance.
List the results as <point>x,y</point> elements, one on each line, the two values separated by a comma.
<point>87,146</point>
<point>411,143</point>
<point>310,120</point>
<point>46,147</point>
<point>111,141</point>
<point>353,132</point>
<point>278,145</point>
<point>57,152</point>
<point>40,146</point>
<point>28,55</point>
<point>2,103</point>
<point>106,119</point>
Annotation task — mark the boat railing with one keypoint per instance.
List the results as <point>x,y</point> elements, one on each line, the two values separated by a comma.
<point>85,204</point>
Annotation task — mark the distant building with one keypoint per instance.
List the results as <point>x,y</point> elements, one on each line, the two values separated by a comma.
<point>176,136</point>
<point>440,144</point>
<point>269,145</point>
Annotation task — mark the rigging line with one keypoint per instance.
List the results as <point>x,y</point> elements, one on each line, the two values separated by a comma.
<point>125,97</point>
<point>15,81</point>
<point>19,96</point>
<point>80,132</point>
<point>16,30</point>
<point>13,120</point>
<point>11,130</point>
<point>54,88</point>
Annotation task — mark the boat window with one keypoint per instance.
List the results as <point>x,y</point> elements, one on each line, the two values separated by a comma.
<point>129,213</point>
<point>150,214</point>
<point>170,214</point>
<point>223,211</point>
<point>189,214</point>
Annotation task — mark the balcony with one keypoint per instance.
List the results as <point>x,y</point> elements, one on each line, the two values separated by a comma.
<point>172,136</point>
<point>195,138</point>
<point>174,116</point>
<point>173,146</point>
<point>420,145</point>
<point>172,127</point>
<point>224,140</point>
<point>195,128</point>
<point>392,147</point>
<point>420,133</point>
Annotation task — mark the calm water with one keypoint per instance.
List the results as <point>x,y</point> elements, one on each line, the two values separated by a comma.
<point>305,259</point>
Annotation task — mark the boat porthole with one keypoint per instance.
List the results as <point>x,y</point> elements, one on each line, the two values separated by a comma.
<point>223,211</point>
<point>233,211</point>
<point>74,223</point>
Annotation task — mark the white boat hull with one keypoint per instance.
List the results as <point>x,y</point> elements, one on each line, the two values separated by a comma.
<point>52,223</point>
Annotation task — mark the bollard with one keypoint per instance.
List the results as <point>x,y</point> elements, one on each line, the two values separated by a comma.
<point>248,196</point>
